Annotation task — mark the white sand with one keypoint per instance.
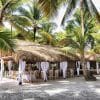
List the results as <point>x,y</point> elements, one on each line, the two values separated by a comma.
<point>68,89</point>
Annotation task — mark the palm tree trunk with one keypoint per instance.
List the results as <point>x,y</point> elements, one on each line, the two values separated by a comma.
<point>83,63</point>
<point>1,19</point>
<point>1,25</point>
<point>82,51</point>
<point>87,75</point>
<point>34,33</point>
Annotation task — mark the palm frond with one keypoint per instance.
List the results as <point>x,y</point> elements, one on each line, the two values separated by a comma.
<point>45,37</point>
<point>22,20</point>
<point>6,41</point>
<point>50,7</point>
<point>92,9</point>
<point>70,7</point>
<point>23,12</point>
<point>25,33</point>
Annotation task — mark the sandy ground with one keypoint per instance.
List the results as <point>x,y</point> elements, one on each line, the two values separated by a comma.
<point>68,89</point>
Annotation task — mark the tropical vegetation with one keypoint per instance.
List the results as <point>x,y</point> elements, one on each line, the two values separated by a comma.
<point>85,6</point>
<point>7,42</point>
<point>32,20</point>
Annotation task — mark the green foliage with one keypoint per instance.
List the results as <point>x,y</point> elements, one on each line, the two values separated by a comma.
<point>86,5</point>
<point>50,7</point>
<point>97,42</point>
<point>7,42</point>
<point>59,37</point>
<point>7,7</point>
<point>31,24</point>
<point>27,20</point>
<point>74,37</point>
<point>45,33</point>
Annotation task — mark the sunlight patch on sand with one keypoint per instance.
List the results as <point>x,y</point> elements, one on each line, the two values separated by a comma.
<point>55,91</point>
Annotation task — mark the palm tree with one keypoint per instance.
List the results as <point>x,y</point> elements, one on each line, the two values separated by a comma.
<point>78,41</point>
<point>30,21</point>
<point>6,8</point>
<point>50,7</point>
<point>46,33</point>
<point>7,42</point>
<point>85,6</point>
<point>59,37</point>
<point>27,21</point>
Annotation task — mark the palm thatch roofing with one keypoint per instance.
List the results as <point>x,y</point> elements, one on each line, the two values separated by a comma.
<point>90,56</point>
<point>33,52</point>
<point>6,58</point>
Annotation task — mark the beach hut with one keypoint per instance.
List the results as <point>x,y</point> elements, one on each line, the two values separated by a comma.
<point>33,53</point>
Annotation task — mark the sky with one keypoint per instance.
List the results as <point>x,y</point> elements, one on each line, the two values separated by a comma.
<point>97,3</point>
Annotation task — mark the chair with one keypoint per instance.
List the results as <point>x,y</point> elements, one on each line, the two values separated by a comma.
<point>56,74</point>
<point>71,72</point>
<point>32,76</point>
<point>50,74</point>
<point>36,73</point>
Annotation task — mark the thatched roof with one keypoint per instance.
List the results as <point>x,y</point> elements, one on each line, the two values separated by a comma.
<point>6,58</point>
<point>33,52</point>
<point>36,52</point>
<point>90,56</point>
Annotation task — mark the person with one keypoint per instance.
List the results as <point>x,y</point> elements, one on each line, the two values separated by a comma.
<point>22,65</point>
<point>78,68</point>
<point>44,67</point>
<point>9,66</point>
<point>63,68</point>
<point>20,79</point>
<point>56,74</point>
<point>88,65</point>
<point>71,72</point>
<point>2,68</point>
<point>97,67</point>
